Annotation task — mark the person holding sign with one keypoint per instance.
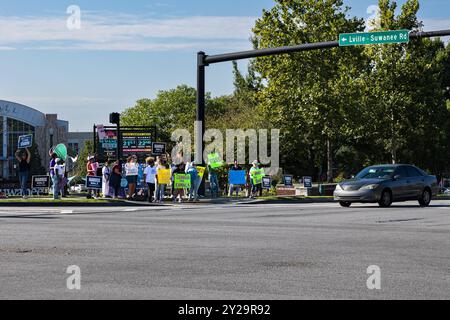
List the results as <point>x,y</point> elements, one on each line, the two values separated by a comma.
<point>256,175</point>
<point>131,172</point>
<point>177,192</point>
<point>235,167</point>
<point>162,180</point>
<point>24,170</point>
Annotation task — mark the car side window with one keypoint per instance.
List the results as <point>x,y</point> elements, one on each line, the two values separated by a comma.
<point>401,171</point>
<point>413,172</point>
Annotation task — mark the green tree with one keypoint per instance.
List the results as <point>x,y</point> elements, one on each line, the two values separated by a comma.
<point>80,166</point>
<point>407,96</point>
<point>306,94</point>
<point>36,167</point>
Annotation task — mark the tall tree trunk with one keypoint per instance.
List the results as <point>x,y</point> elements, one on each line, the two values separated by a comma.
<point>329,161</point>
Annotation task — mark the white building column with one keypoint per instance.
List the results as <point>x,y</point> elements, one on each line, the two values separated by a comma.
<point>5,148</point>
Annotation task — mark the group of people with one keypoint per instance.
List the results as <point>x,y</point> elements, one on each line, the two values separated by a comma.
<point>117,176</point>
<point>58,176</point>
<point>157,184</point>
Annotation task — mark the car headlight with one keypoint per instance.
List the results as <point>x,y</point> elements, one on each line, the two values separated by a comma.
<point>370,187</point>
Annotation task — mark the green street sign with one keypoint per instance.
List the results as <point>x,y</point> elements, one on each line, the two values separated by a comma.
<point>368,38</point>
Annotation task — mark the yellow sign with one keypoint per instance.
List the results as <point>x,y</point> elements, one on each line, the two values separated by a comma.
<point>163,176</point>
<point>201,172</point>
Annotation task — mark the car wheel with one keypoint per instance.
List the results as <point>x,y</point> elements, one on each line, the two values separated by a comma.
<point>386,199</point>
<point>425,199</point>
<point>345,204</point>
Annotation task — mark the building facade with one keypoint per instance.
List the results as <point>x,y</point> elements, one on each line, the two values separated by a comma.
<point>17,120</point>
<point>77,140</point>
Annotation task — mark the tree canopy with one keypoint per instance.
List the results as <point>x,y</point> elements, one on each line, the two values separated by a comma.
<point>338,109</point>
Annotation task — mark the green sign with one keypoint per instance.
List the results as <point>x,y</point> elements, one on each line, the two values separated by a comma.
<point>182,181</point>
<point>214,160</point>
<point>368,38</point>
<point>257,176</point>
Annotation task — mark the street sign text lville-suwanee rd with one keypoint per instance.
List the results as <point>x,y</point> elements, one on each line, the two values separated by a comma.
<point>368,38</point>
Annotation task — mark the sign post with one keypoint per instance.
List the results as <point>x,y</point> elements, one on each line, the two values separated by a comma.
<point>369,38</point>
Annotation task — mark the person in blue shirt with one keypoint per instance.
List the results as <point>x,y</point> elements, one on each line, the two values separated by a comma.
<point>193,172</point>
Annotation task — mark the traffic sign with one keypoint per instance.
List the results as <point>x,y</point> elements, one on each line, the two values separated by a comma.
<point>368,38</point>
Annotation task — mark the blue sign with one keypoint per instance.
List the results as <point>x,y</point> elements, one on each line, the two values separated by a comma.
<point>307,182</point>
<point>267,183</point>
<point>94,182</point>
<point>25,141</point>
<point>237,177</point>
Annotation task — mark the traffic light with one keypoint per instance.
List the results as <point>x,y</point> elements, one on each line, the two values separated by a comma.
<point>114,118</point>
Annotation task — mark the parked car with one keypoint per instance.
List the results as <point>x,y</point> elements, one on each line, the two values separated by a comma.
<point>79,188</point>
<point>385,184</point>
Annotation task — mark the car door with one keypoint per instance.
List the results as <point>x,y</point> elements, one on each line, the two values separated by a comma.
<point>399,185</point>
<point>414,183</point>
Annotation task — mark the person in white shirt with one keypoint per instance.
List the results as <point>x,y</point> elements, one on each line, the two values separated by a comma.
<point>106,173</point>
<point>150,178</point>
<point>131,172</point>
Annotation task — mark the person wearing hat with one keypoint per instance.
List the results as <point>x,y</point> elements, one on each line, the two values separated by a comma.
<point>91,168</point>
<point>254,187</point>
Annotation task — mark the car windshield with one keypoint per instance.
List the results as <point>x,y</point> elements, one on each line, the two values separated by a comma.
<point>376,173</point>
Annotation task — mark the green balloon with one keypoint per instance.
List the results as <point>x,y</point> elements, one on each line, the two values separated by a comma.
<point>61,151</point>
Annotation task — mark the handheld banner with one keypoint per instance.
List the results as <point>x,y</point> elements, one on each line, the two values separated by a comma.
<point>182,181</point>
<point>258,175</point>
<point>25,141</point>
<point>201,172</point>
<point>158,148</point>
<point>163,176</point>
<point>214,160</point>
<point>237,177</point>
<point>94,182</point>
<point>267,183</point>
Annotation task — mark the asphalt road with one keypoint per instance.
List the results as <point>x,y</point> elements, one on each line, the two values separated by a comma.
<point>290,251</point>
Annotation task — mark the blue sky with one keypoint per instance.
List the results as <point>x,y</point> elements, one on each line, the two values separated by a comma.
<point>126,50</point>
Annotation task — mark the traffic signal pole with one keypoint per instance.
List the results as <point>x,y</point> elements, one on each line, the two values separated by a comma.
<point>204,60</point>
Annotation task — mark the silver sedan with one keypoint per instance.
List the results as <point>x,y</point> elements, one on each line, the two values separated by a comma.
<point>385,184</point>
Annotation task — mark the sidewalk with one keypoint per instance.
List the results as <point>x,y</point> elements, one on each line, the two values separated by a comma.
<point>83,202</point>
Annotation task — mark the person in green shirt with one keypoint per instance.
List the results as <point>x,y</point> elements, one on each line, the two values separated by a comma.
<point>255,184</point>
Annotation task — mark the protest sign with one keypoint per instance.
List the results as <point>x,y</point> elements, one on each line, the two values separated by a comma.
<point>307,182</point>
<point>163,176</point>
<point>267,183</point>
<point>182,181</point>
<point>25,141</point>
<point>288,180</point>
<point>40,182</point>
<point>93,182</point>
<point>237,177</point>
<point>201,172</point>
<point>158,148</point>
<point>214,160</point>
<point>257,176</point>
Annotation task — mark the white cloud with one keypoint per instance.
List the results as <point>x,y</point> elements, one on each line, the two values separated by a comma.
<point>124,32</point>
